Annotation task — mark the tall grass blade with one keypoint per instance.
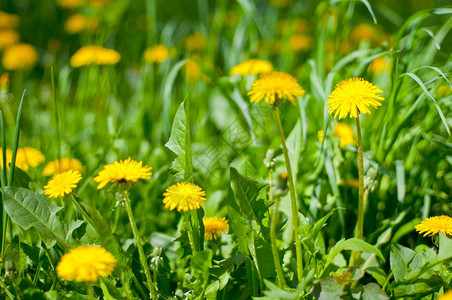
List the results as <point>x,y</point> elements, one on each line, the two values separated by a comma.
<point>16,141</point>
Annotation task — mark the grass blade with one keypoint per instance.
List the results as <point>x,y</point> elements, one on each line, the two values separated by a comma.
<point>16,141</point>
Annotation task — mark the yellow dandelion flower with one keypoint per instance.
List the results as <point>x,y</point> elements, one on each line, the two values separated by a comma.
<point>365,32</point>
<point>379,65</point>
<point>86,264</point>
<point>444,91</point>
<point>184,196</point>
<point>214,227</point>
<point>194,42</point>
<point>345,133</point>
<point>192,70</point>
<point>8,38</point>
<point>70,3</point>
<point>352,96</point>
<point>25,158</point>
<point>97,55</point>
<point>78,22</point>
<point>156,54</point>
<point>122,172</point>
<point>8,21</point>
<point>300,42</point>
<point>62,184</point>
<point>63,165</point>
<point>434,225</point>
<point>446,296</point>
<point>19,56</point>
<point>4,81</point>
<point>98,3</point>
<point>251,67</point>
<point>275,86</point>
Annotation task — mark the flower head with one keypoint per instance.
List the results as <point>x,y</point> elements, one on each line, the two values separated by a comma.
<point>345,133</point>
<point>214,227</point>
<point>446,296</point>
<point>8,20</point>
<point>157,54</point>
<point>86,264</point>
<point>62,184</point>
<point>379,65</point>
<point>184,196</point>
<point>194,42</point>
<point>8,38</point>
<point>353,95</point>
<point>252,67</point>
<point>19,56</point>
<point>300,42</point>
<point>63,165</point>
<point>70,3</point>
<point>96,55</point>
<point>25,158</point>
<point>434,225</point>
<point>122,172</point>
<point>275,86</point>
<point>78,22</point>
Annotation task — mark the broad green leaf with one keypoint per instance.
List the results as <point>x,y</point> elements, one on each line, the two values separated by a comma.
<point>201,261</point>
<point>264,258</point>
<point>399,259</point>
<point>111,292</point>
<point>246,191</point>
<point>29,209</point>
<point>351,244</point>
<point>372,291</point>
<point>274,292</point>
<point>180,143</point>
<point>445,247</point>
<point>327,289</point>
<point>238,226</point>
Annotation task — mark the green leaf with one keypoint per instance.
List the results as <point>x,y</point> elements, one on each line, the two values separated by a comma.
<point>445,246</point>
<point>238,226</point>
<point>274,292</point>
<point>201,261</point>
<point>372,291</point>
<point>246,191</point>
<point>399,258</point>
<point>327,289</point>
<point>264,258</point>
<point>111,292</point>
<point>180,143</point>
<point>29,209</point>
<point>351,244</point>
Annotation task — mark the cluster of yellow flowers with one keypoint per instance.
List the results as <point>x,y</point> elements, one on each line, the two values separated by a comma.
<point>97,55</point>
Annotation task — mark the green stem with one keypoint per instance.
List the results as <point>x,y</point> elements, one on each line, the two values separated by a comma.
<point>281,281</point>
<point>360,222</point>
<point>293,200</point>
<point>90,290</point>
<point>147,271</point>
<point>82,210</point>
<point>191,236</point>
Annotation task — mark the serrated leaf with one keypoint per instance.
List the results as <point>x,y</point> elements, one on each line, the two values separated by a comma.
<point>111,292</point>
<point>180,144</point>
<point>28,209</point>
<point>373,291</point>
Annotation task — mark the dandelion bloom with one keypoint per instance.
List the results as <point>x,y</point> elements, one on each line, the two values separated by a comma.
<point>19,56</point>
<point>156,54</point>
<point>365,32</point>
<point>184,196</point>
<point>8,38</point>
<point>63,165</point>
<point>446,296</point>
<point>345,133</point>
<point>62,184</point>
<point>70,3</point>
<point>434,225</point>
<point>214,227</point>
<point>124,171</point>
<point>86,264</point>
<point>25,158</point>
<point>275,86</point>
<point>78,22</point>
<point>352,96</point>
<point>96,55</point>
<point>379,65</point>
<point>252,67</point>
<point>192,70</point>
<point>194,42</point>
<point>8,21</point>
<point>300,42</point>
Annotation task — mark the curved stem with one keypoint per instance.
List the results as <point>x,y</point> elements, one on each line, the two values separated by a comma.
<point>360,223</point>
<point>136,235</point>
<point>293,200</point>
<point>281,281</point>
<point>90,290</point>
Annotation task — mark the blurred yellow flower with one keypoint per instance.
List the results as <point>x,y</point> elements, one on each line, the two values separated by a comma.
<point>184,197</point>
<point>365,32</point>
<point>86,264</point>
<point>251,67</point>
<point>214,227</point>
<point>353,95</point>
<point>195,42</point>
<point>25,158</point>
<point>446,296</point>
<point>320,136</point>
<point>379,65</point>
<point>8,21</point>
<point>97,55</point>
<point>274,87</point>
<point>78,22</point>
<point>434,225</point>
<point>62,184</point>
<point>8,38</point>
<point>444,91</point>
<point>300,42</point>
<point>156,54</point>
<point>70,3</point>
<point>98,3</point>
<point>192,70</point>
<point>19,56</point>
<point>63,165</point>
<point>345,133</point>
<point>122,172</point>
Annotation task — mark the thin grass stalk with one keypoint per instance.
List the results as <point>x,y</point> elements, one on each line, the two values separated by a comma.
<point>4,173</point>
<point>281,281</point>
<point>136,235</point>
<point>293,200</point>
<point>16,141</point>
<point>3,183</point>
<point>360,223</point>
<point>57,116</point>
